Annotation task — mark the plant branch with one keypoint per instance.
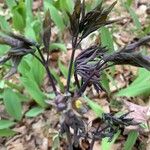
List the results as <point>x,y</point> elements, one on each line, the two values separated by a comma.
<point>134,45</point>
<point>82,88</point>
<point>74,46</point>
<point>44,63</point>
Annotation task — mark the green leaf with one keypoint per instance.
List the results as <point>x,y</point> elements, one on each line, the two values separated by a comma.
<point>140,86</point>
<point>18,25</point>
<point>111,79</point>
<point>33,89</point>
<point>94,106</point>
<point>28,6</point>
<point>58,46</point>
<point>4,26</point>
<point>2,84</point>
<point>32,76</point>
<point>37,26</point>
<point>19,16</point>
<point>67,5</point>
<point>56,142</point>
<point>24,66</point>
<point>10,3</point>
<point>6,124</point>
<point>55,15</point>
<point>105,82</point>
<point>4,49</point>
<point>29,32</point>
<point>63,69</point>
<point>132,137</point>
<point>106,145</point>
<point>7,132</point>
<point>12,104</point>
<point>14,86</point>
<point>133,16</point>
<point>57,78</point>
<point>51,96</point>
<point>37,71</point>
<point>106,38</point>
<point>129,2</point>
<point>107,41</point>
<point>34,112</point>
<point>32,70</point>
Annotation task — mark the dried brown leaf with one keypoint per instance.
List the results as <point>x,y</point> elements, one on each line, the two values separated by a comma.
<point>139,113</point>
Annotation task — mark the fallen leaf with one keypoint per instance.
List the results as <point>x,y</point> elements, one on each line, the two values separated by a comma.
<point>139,113</point>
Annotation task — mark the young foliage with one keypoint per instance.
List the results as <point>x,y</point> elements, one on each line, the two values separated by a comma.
<point>86,23</point>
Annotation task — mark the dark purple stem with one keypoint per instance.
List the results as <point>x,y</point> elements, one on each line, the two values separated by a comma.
<point>48,71</point>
